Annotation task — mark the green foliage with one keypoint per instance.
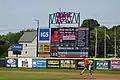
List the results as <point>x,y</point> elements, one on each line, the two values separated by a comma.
<point>11,38</point>
<point>101,36</point>
<point>2,58</point>
<point>90,23</point>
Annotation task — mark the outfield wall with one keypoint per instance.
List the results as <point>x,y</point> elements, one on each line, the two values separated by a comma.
<point>2,63</point>
<point>63,63</point>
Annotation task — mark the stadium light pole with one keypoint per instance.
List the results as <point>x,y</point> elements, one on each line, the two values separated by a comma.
<point>96,42</point>
<point>37,35</point>
<point>115,42</point>
<point>89,26</point>
<point>105,44</point>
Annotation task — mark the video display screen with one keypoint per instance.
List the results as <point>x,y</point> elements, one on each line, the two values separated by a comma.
<point>69,42</point>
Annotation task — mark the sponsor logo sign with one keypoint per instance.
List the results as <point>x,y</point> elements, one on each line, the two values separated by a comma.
<point>44,35</point>
<point>16,47</point>
<point>80,64</point>
<point>102,64</point>
<point>25,62</point>
<point>53,63</point>
<point>115,64</point>
<point>11,62</point>
<point>63,17</point>
<point>44,47</point>
<point>38,63</point>
<point>67,63</point>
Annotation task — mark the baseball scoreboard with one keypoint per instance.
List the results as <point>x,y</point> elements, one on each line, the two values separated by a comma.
<point>69,42</point>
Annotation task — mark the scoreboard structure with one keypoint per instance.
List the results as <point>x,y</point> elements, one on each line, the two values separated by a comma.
<point>69,42</point>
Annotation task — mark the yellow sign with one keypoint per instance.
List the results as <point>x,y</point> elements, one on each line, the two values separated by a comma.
<point>43,47</point>
<point>67,64</point>
<point>53,62</point>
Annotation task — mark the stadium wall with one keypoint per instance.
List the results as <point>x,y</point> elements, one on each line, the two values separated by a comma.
<point>63,63</point>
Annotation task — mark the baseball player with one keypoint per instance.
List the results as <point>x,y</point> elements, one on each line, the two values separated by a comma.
<point>87,65</point>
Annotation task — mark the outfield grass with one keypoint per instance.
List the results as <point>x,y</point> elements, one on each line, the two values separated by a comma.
<point>58,70</point>
<point>20,76</point>
<point>35,77</point>
<point>13,76</point>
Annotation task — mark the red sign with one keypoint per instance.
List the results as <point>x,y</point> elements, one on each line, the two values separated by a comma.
<point>115,64</point>
<point>63,17</point>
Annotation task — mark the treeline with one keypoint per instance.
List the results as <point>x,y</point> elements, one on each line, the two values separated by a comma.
<point>110,36</point>
<point>9,39</point>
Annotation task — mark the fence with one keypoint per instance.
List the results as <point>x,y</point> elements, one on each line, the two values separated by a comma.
<point>63,63</point>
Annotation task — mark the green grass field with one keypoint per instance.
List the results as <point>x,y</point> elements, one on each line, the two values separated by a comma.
<point>59,70</point>
<point>20,76</point>
<point>35,77</point>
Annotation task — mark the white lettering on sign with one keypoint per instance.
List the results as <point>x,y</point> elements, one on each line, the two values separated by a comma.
<point>63,17</point>
<point>68,48</point>
<point>102,65</point>
<point>14,46</point>
<point>116,66</point>
<point>71,37</point>
<point>44,34</point>
<point>116,62</point>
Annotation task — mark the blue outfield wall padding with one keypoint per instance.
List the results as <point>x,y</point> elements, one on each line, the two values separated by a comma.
<point>2,63</point>
<point>38,63</point>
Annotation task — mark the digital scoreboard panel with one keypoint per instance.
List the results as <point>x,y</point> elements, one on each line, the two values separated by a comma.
<point>69,42</point>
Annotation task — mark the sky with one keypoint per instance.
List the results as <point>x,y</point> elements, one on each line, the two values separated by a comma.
<point>16,15</point>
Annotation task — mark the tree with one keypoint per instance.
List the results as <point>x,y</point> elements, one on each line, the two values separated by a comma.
<point>2,43</point>
<point>9,39</point>
<point>90,23</point>
<point>116,29</point>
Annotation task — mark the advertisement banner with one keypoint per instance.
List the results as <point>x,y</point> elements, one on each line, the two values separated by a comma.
<point>38,63</point>
<point>67,63</point>
<point>25,62</point>
<point>115,64</point>
<point>52,63</point>
<point>102,64</point>
<point>44,35</point>
<point>12,62</point>
<point>80,64</point>
<point>16,47</point>
<point>43,47</point>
